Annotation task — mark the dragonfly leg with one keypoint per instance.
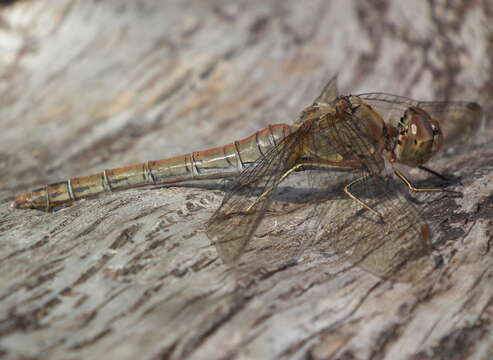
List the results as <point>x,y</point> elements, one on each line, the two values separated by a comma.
<point>267,192</point>
<point>286,174</point>
<point>433,172</point>
<point>355,198</point>
<point>411,187</point>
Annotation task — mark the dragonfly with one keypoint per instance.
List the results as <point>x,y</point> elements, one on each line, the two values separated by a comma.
<point>368,138</point>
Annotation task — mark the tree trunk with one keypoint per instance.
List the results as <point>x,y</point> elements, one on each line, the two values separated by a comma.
<point>88,86</point>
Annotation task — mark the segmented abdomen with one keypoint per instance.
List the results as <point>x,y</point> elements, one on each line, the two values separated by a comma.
<point>219,162</point>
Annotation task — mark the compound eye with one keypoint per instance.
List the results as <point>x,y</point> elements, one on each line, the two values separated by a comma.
<point>420,126</point>
<point>420,138</point>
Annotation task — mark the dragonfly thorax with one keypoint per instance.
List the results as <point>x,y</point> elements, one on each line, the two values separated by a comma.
<point>418,138</point>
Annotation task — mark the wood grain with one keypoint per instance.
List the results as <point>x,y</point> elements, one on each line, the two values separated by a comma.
<point>88,85</point>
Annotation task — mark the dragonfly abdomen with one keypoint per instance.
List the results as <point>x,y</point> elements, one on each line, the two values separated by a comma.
<point>216,163</point>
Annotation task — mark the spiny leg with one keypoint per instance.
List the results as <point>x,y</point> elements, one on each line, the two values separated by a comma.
<point>440,176</point>
<point>433,172</point>
<point>296,167</point>
<point>411,187</point>
<point>355,198</point>
<point>318,165</point>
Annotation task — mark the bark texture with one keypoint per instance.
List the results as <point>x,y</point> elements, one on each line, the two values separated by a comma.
<point>89,85</point>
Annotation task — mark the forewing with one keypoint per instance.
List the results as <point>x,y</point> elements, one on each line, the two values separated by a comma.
<point>243,207</point>
<point>458,119</point>
<point>393,247</point>
<point>329,93</point>
<point>390,107</point>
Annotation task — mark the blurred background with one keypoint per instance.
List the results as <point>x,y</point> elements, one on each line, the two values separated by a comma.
<point>89,85</point>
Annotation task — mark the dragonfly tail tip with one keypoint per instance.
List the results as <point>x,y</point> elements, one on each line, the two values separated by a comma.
<point>16,204</point>
<point>20,203</point>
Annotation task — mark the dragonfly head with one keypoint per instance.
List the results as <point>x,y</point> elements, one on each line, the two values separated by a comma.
<point>418,137</point>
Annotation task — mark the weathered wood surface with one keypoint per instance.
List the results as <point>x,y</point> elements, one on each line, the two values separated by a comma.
<point>92,85</point>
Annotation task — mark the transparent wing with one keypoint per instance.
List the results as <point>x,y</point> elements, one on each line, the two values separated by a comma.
<point>243,207</point>
<point>329,93</point>
<point>458,119</point>
<point>394,246</point>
